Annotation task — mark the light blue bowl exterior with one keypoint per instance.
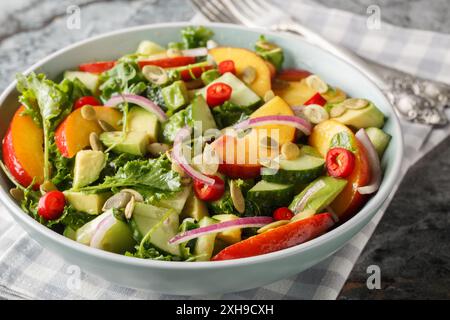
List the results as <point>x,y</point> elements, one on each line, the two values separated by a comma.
<point>209,277</point>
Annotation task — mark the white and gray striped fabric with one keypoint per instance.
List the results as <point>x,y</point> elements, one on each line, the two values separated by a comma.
<point>29,271</point>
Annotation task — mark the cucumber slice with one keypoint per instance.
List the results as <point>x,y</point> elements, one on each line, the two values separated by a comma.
<point>90,80</point>
<point>241,94</point>
<point>202,113</point>
<point>379,139</point>
<point>269,195</point>
<point>204,246</point>
<point>304,169</point>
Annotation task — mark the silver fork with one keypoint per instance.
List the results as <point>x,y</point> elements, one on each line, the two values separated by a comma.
<point>415,99</point>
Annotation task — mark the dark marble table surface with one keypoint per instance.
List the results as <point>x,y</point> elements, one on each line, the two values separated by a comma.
<point>411,244</point>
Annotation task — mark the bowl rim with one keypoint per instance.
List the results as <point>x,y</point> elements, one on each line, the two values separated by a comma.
<point>388,183</point>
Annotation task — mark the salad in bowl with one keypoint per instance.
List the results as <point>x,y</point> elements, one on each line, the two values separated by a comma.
<point>192,152</point>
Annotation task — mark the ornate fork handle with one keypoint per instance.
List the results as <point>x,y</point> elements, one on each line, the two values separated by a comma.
<point>416,100</point>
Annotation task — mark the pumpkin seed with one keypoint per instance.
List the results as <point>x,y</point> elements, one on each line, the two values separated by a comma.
<point>155,74</point>
<point>17,194</point>
<point>272,225</point>
<point>337,110</point>
<point>279,84</point>
<point>355,104</point>
<point>95,142</point>
<point>290,151</point>
<point>105,126</point>
<point>315,113</point>
<point>171,53</point>
<point>129,208</point>
<point>237,197</point>
<point>156,149</point>
<point>88,113</point>
<point>117,201</point>
<point>269,95</point>
<point>47,186</point>
<point>316,83</point>
<point>136,195</point>
<point>249,75</point>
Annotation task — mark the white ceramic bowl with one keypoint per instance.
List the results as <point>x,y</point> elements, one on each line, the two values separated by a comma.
<point>208,277</point>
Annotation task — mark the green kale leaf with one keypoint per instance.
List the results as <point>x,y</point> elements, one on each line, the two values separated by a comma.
<point>193,37</point>
<point>229,114</point>
<point>270,52</point>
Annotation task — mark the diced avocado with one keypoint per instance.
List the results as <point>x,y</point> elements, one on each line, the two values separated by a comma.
<point>171,127</point>
<point>194,208</point>
<point>162,231</point>
<point>85,233</point>
<point>118,238</point>
<point>366,117</point>
<point>241,94</point>
<point>132,142</point>
<point>148,48</point>
<point>229,236</point>
<point>178,201</point>
<point>304,169</point>
<point>201,113</point>
<point>269,195</point>
<point>88,166</point>
<point>90,80</point>
<point>318,194</point>
<point>205,244</point>
<point>175,95</point>
<point>70,233</point>
<point>90,203</point>
<point>379,139</point>
<point>142,120</point>
<point>209,76</point>
<point>145,217</point>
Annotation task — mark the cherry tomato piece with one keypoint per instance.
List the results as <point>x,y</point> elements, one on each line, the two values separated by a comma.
<point>227,66</point>
<point>97,67</point>
<point>209,193</point>
<point>218,93</point>
<point>340,162</point>
<point>86,100</point>
<point>316,99</point>
<point>283,213</point>
<point>51,205</point>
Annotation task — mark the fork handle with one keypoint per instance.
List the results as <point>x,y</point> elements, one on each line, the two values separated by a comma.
<point>341,52</point>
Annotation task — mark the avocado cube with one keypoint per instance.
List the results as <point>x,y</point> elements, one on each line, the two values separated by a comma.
<point>133,142</point>
<point>88,166</point>
<point>175,96</point>
<point>86,202</point>
<point>142,120</point>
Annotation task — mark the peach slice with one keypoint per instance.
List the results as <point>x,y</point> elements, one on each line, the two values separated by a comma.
<point>72,135</point>
<point>243,58</point>
<point>23,151</point>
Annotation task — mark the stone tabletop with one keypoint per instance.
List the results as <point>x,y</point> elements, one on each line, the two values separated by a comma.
<point>411,244</point>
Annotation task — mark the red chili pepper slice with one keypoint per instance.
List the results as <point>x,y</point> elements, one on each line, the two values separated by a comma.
<point>218,93</point>
<point>340,162</point>
<point>316,99</point>
<point>209,193</point>
<point>227,66</point>
<point>283,213</point>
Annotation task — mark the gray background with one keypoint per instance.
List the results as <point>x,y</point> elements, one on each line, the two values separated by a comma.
<point>411,244</point>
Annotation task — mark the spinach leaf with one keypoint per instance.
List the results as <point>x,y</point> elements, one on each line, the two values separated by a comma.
<point>153,174</point>
<point>47,104</point>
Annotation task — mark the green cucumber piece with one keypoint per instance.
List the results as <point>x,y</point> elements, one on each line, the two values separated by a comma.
<point>201,113</point>
<point>204,246</point>
<point>379,139</point>
<point>269,195</point>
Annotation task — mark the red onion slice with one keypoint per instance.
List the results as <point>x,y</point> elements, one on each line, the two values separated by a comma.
<point>177,155</point>
<point>292,121</point>
<point>143,102</point>
<point>374,162</point>
<point>197,52</point>
<point>102,228</point>
<point>247,222</point>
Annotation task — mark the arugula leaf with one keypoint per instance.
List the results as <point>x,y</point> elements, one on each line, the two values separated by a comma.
<point>47,104</point>
<point>229,114</point>
<point>152,174</point>
<point>125,77</point>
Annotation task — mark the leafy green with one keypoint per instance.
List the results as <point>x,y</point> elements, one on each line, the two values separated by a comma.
<point>343,140</point>
<point>188,247</point>
<point>47,104</point>
<point>229,114</point>
<point>270,52</point>
<point>224,205</point>
<point>171,127</point>
<point>147,251</point>
<point>153,174</point>
<point>74,89</point>
<point>125,77</point>
<point>62,176</point>
<point>71,218</point>
<point>193,37</point>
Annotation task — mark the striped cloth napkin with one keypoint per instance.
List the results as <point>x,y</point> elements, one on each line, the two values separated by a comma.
<point>29,271</point>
